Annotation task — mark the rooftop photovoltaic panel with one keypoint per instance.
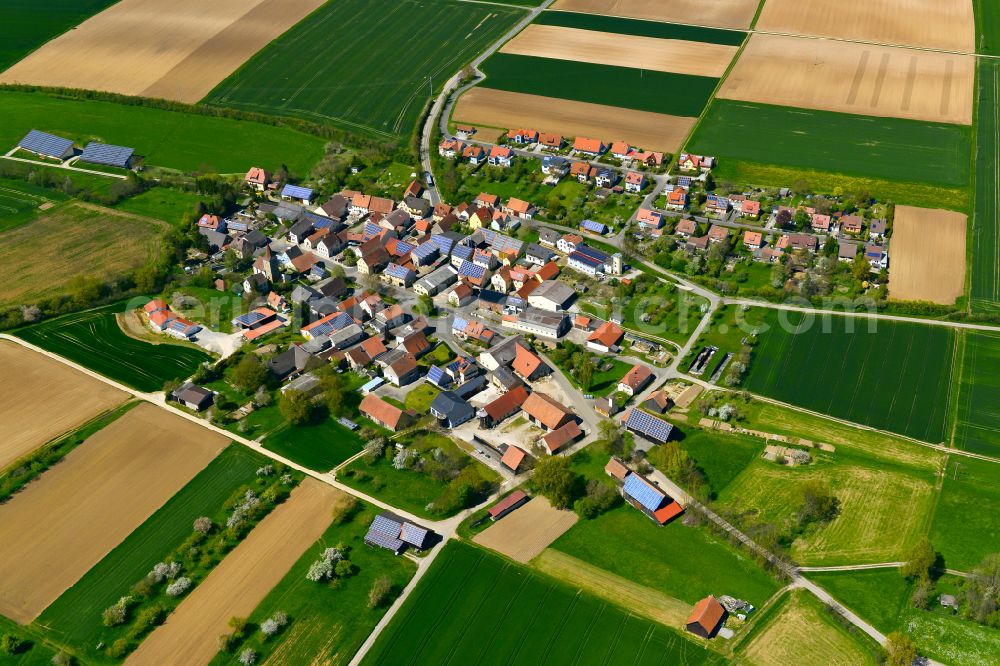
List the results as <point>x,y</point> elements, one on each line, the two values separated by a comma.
<point>414,535</point>
<point>103,153</point>
<point>402,247</point>
<point>398,272</point>
<point>44,143</point>
<point>459,324</point>
<point>585,259</point>
<point>437,376</point>
<point>424,251</point>
<point>462,252</point>
<point>297,192</point>
<point>649,425</point>
<point>590,225</point>
<point>643,493</point>
<point>250,319</point>
<point>502,243</point>
<point>443,243</point>
<point>471,270</point>
<point>592,253</point>
<point>371,230</point>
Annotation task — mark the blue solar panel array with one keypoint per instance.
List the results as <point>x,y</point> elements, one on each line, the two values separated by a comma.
<point>596,255</point>
<point>471,270</point>
<point>585,259</point>
<point>648,425</point>
<point>341,321</point>
<point>444,243</point>
<point>463,252</point>
<point>459,324</point>
<point>297,192</point>
<point>371,230</point>
<point>385,532</point>
<point>643,493</point>
<point>596,227</point>
<point>398,272</point>
<point>250,319</point>
<point>44,143</point>
<point>413,535</point>
<point>425,251</point>
<point>402,247</point>
<point>502,243</point>
<point>438,377</point>
<point>103,153</point>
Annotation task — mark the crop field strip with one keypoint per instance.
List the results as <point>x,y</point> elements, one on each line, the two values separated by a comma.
<point>894,149</point>
<point>114,485</point>
<point>625,26</point>
<point>528,531</point>
<point>473,607</point>
<point>362,81</point>
<point>846,77</point>
<point>75,617</point>
<point>896,378</point>
<point>170,139</point>
<point>242,580</point>
<point>27,24</point>
<point>966,525</point>
<point>930,24</point>
<point>48,399</point>
<point>21,202</point>
<point>977,422</point>
<point>93,339</point>
<point>927,255</point>
<point>136,48</point>
<point>984,293</point>
<point>731,14</point>
<point>987,27</point>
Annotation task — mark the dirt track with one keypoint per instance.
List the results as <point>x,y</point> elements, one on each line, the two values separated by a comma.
<point>61,525</point>
<point>241,582</point>
<point>853,78</point>
<point>937,24</point>
<point>48,399</point>
<point>498,108</point>
<point>178,50</point>
<point>927,255</point>
<point>735,14</point>
<point>606,48</point>
<point>527,531</point>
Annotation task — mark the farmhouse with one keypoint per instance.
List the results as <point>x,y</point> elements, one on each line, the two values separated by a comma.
<point>643,495</point>
<point>193,397</point>
<point>502,408</point>
<point>539,322</point>
<point>527,365</point>
<point>546,413</point>
<point>606,337</point>
<point>381,412</point>
<point>636,379</point>
<point>560,437</point>
<point>395,534</point>
<point>706,618</point>
<point>552,295</point>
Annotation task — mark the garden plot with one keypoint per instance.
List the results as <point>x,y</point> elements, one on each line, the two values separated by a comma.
<point>48,399</point>
<point>60,526</point>
<point>527,531</point>
<point>736,14</point>
<point>862,79</point>
<point>927,255</point>
<point>235,588</point>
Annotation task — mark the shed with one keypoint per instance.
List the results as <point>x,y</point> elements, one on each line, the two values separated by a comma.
<point>508,504</point>
<point>706,618</point>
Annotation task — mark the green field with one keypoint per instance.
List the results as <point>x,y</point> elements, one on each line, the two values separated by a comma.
<point>896,377</point>
<point>977,421</point>
<point>75,617</point>
<point>94,340</point>
<point>625,26</point>
<point>662,558</point>
<point>720,457</point>
<point>626,87</point>
<point>984,292</point>
<point>321,447</point>
<point>328,622</point>
<point>987,27</point>
<point>889,148</point>
<point>171,139</point>
<point>966,525</point>
<point>473,607</point>
<point>19,201</point>
<point>877,595</point>
<point>27,24</point>
<point>376,75</point>
<point>162,203</point>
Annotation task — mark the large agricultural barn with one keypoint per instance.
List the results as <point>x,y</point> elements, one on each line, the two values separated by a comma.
<point>682,347</point>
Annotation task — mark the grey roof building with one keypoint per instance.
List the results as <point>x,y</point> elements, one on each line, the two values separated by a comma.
<point>451,410</point>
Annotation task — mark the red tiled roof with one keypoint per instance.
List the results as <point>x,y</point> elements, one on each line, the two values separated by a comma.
<point>506,503</point>
<point>155,304</point>
<point>525,361</point>
<point>545,410</point>
<point>608,334</point>
<point>707,613</point>
<point>588,145</point>
<point>381,411</point>
<point>260,331</point>
<point>665,514</point>
<point>636,376</point>
<point>507,404</point>
<point>617,469</point>
<point>557,439</point>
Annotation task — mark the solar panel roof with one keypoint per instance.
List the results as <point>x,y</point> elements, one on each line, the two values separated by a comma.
<point>339,322</point>
<point>44,143</point>
<point>426,250</point>
<point>462,252</point>
<point>592,253</point>
<point>437,376</point>
<point>371,229</point>
<point>584,259</point>
<point>443,242</point>
<point>646,424</point>
<point>413,535</point>
<point>590,225</point>
<point>502,243</point>
<point>397,271</point>
<point>250,318</point>
<point>459,324</point>
<point>469,269</point>
<point>643,493</point>
<point>103,153</point>
<point>296,192</point>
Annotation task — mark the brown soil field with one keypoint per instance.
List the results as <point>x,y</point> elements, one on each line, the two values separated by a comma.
<point>61,525</point>
<point>525,532</point>
<point>235,588</point>
<point>79,238</point>
<point>499,108</point>
<point>854,78</point>
<point>927,255</point>
<point>48,399</point>
<point>621,591</point>
<point>607,48</point>
<point>934,24</point>
<point>735,14</point>
<point>177,51</point>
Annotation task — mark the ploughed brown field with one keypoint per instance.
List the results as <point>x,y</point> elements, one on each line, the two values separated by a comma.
<point>736,14</point>
<point>235,588</point>
<point>175,50</point>
<point>61,525</point>
<point>927,255</point>
<point>528,530</point>
<point>935,24</point>
<point>848,77</point>
<point>499,108</point>
<point>606,48</point>
<point>43,398</point>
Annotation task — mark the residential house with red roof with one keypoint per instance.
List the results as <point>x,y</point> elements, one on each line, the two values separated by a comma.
<point>257,179</point>
<point>500,156</point>
<point>594,147</point>
<point>635,380</point>
<point>606,337</point>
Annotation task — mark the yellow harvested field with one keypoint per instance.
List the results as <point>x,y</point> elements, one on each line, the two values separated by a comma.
<point>934,24</point>
<point>854,78</point>
<point>799,633</point>
<point>927,255</point>
<point>235,588</point>
<point>499,108</point>
<point>735,14</point>
<point>178,50</point>
<point>60,526</point>
<point>606,48</point>
<point>621,591</point>
<point>525,532</point>
<point>48,399</point>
